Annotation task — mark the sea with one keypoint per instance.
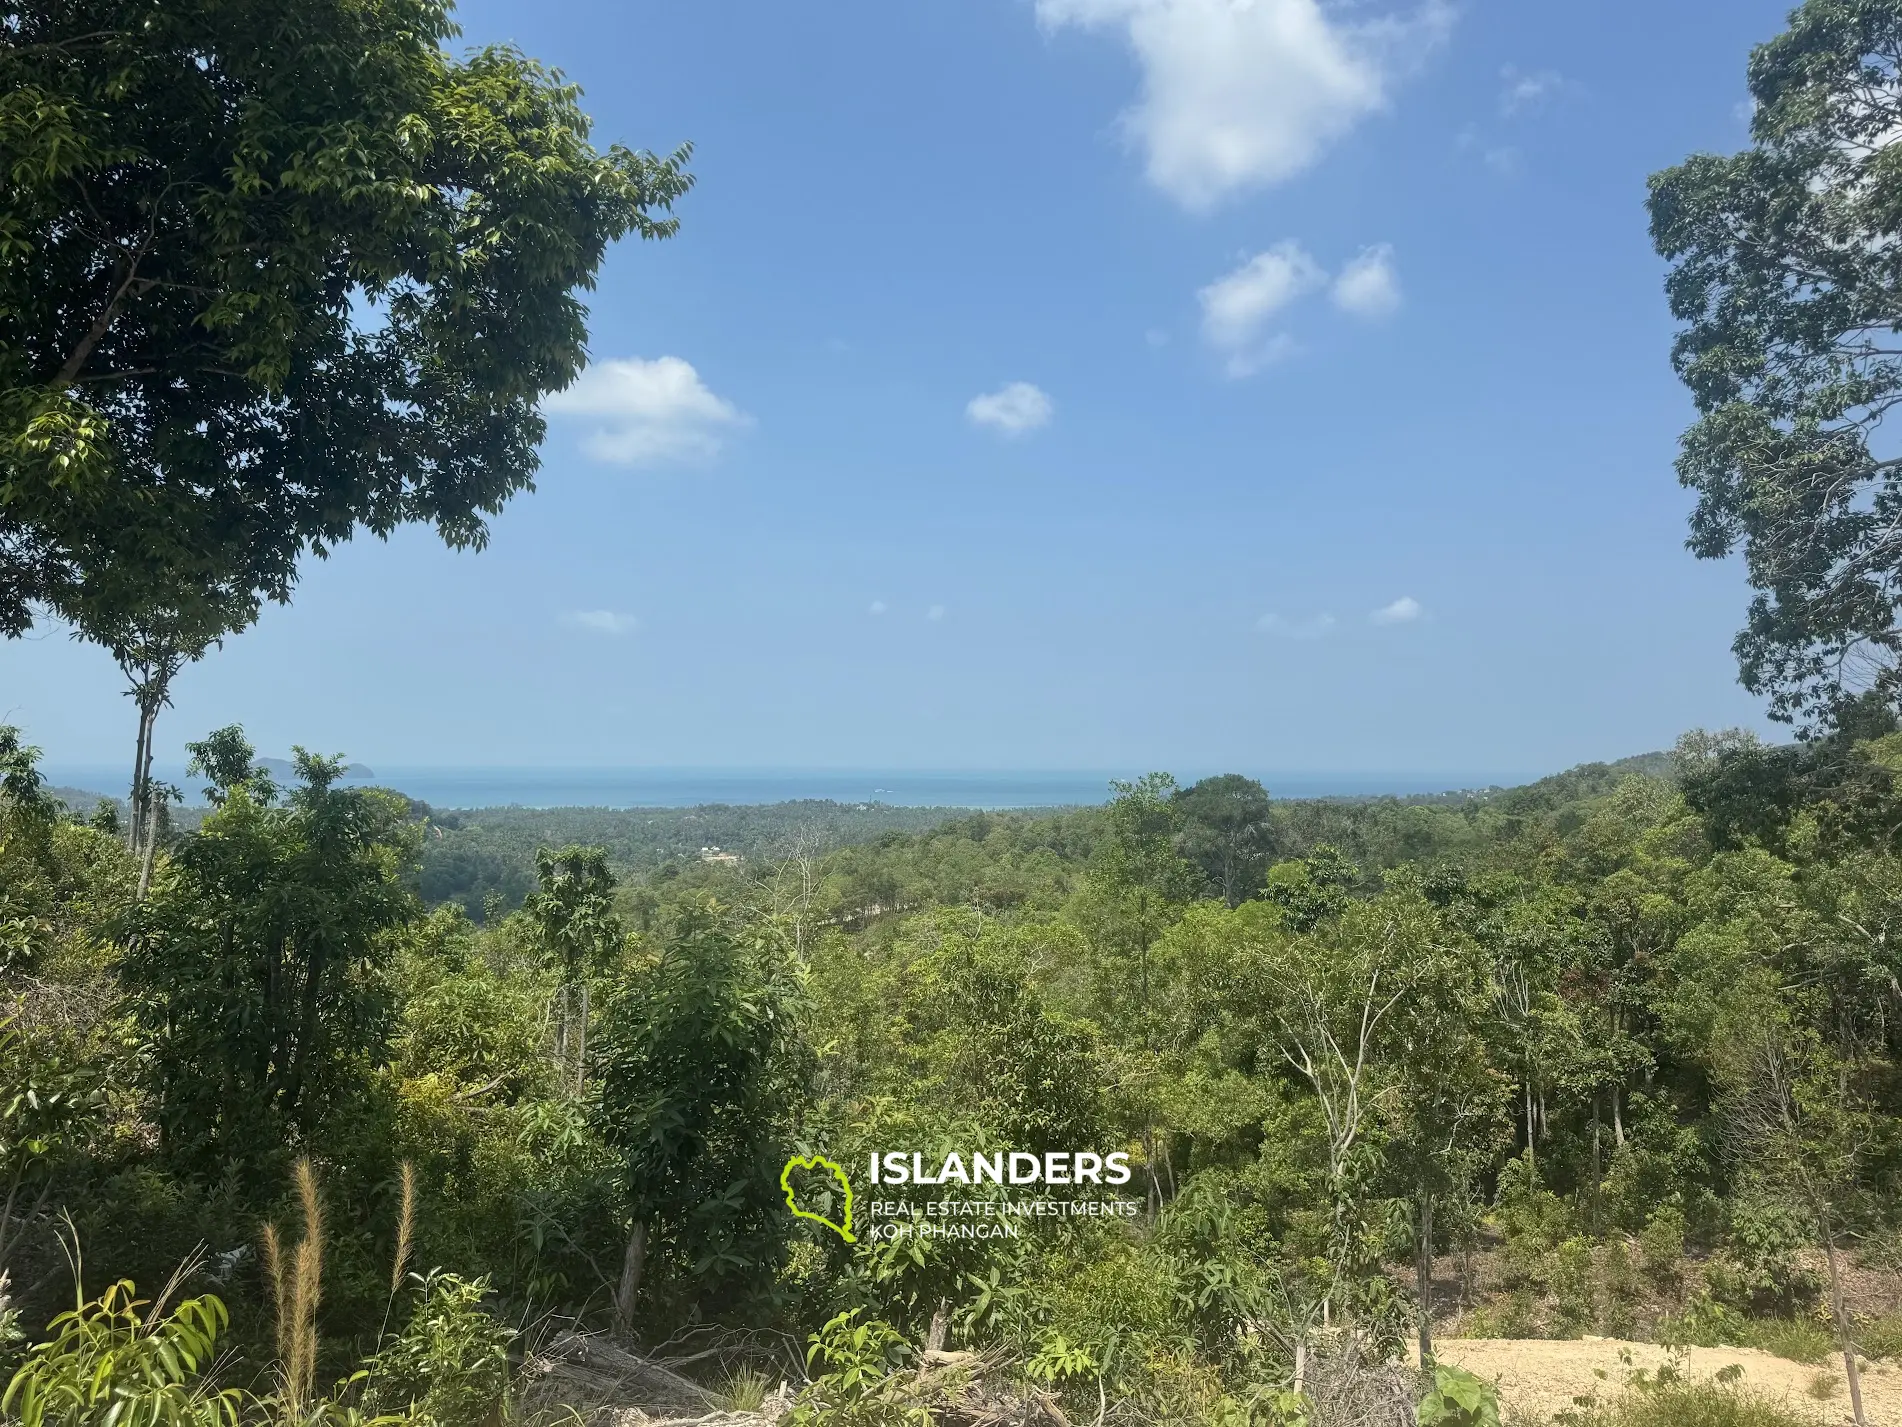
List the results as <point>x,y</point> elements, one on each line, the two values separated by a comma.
<point>691,787</point>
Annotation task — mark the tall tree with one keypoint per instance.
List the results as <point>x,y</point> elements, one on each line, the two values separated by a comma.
<point>699,1065</point>
<point>1786,275</point>
<point>271,275</point>
<point>573,908</point>
<point>257,971</point>
<point>1227,831</point>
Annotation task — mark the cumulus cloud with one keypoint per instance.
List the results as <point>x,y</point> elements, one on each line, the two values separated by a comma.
<point>601,621</point>
<point>648,411</point>
<point>1404,610</point>
<point>1237,306</point>
<point>1369,286</point>
<point>1244,93</point>
<point>1013,410</point>
<point>1313,627</point>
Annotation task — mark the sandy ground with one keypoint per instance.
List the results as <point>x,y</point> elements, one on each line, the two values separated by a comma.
<point>1544,1376</point>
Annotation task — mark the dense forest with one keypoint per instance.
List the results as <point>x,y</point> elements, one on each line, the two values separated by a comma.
<point>318,1105</point>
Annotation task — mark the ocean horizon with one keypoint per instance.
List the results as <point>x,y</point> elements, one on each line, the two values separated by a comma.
<point>454,787</point>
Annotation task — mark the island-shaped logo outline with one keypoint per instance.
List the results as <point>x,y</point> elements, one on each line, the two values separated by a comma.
<point>818,1161</point>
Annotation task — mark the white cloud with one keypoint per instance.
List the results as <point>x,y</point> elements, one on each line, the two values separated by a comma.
<point>878,607</point>
<point>601,621</point>
<point>1244,93</point>
<point>648,411</point>
<point>935,612</point>
<point>1524,91</point>
<point>1237,306</point>
<point>1369,286</point>
<point>1013,410</point>
<point>1314,627</point>
<point>1404,610</point>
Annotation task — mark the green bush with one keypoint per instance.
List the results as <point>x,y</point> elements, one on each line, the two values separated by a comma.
<point>1705,1323</point>
<point>1457,1398</point>
<point>1573,1287</point>
<point>1760,1270</point>
<point>108,1361</point>
<point>449,1367</point>
<point>1661,1249</point>
<point>860,1386</point>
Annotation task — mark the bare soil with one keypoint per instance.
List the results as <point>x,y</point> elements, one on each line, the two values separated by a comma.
<point>1541,1376</point>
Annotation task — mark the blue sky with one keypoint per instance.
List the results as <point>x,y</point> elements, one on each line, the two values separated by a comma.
<point>1068,383</point>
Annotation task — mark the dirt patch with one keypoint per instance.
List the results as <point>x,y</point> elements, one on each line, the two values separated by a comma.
<point>1542,1376</point>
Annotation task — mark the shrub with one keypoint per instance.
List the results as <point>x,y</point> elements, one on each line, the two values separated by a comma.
<point>109,1360</point>
<point>860,1386</point>
<point>1575,1308</point>
<point>1704,1323</point>
<point>449,1367</point>
<point>1661,1248</point>
<point>1457,1398</point>
<point>1760,1270</point>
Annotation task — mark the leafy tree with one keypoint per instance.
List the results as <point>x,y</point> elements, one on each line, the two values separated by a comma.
<point>1228,832</point>
<point>268,276</point>
<point>1444,1108</point>
<point>574,913</point>
<point>1784,278</point>
<point>1799,1114</point>
<point>698,1071</point>
<point>257,966</point>
<point>1140,885</point>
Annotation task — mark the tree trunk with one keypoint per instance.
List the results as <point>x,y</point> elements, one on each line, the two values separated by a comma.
<point>1617,1118</point>
<point>940,1325</point>
<point>1532,1155</point>
<point>631,1265</point>
<point>1843,1330</point>
<point>1598,1163</point>
<point>1423,1280</point>
<point>150,697</point>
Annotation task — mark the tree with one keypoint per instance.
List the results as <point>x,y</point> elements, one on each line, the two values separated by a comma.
<point>1338,989</point>
<point>1140,884</point>
<point>1443,1108</point>
<point>574,913</point>
<point>1799,1115</point>
<point>1785,278</point>
<point>698,1070</point>
<point>270,276</point>
<point>1228,832</point>
<point>256,966</point>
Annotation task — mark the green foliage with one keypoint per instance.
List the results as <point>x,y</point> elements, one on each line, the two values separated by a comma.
<point>861,1385</point>
<point>699,1070</point>
<point>1776,276</point>
<point>1456,1398</point>
<point>1801,1340</point>
<point>118,1359</point>
<point>1670,1401</point>
<point>201,202</point>
<point>449,1365</point>
<point>1661,1248</point>
<point>258,968</point>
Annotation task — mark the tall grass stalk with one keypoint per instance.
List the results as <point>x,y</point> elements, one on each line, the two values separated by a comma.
<point>297,1282</point>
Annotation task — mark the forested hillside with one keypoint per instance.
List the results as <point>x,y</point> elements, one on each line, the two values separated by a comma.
<point>1574,1057</point>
